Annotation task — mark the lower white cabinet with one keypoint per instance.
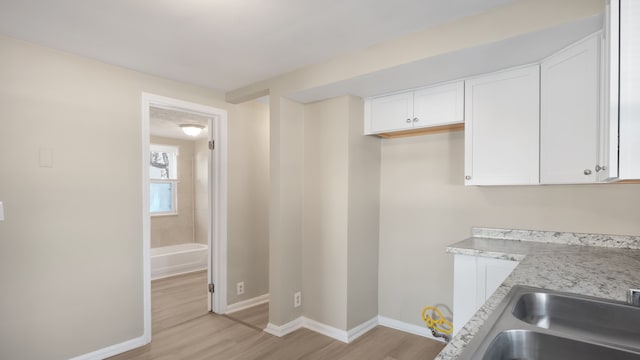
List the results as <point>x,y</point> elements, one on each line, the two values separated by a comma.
<point>474,281</point>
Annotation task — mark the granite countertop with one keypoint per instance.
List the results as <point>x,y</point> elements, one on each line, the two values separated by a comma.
<point>590,264</point>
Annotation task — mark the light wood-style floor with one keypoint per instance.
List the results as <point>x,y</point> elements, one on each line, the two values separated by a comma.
<point>183,329</point>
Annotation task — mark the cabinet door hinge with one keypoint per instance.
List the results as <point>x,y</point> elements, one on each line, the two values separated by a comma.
<point>212,144</point>
<point>212,288</point>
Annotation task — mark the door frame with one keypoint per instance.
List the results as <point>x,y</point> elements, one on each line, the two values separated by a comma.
<point>217,238</point>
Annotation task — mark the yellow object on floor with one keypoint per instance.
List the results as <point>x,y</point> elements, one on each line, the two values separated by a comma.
<point>439,326</point>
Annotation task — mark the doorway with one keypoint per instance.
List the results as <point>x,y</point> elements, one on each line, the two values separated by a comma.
<point>184,211</point>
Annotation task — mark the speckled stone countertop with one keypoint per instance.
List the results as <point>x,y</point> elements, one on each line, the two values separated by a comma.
<point>589,264</point>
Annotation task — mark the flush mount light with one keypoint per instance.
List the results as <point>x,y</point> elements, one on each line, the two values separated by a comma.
<point>191,129</point>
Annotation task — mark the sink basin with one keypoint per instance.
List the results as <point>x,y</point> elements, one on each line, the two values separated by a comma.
<point>531,345</point>
<point>589,317</point>
<point>533,323</point>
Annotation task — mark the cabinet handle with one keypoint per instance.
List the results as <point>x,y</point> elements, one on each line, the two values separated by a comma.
<point>600,168</point>
<point>408,121</point>
<point>416,119</point>
<point>467,177</point>
<point>587,172</point>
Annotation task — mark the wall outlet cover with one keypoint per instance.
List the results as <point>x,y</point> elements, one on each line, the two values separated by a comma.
<point>297,299</point>
<point>240,288</point>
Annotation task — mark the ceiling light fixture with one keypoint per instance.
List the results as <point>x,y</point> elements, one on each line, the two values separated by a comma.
<point>192,129</point>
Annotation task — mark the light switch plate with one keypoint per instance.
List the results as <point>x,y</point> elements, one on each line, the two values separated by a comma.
<point>45,157</point>
<point>1,211</point>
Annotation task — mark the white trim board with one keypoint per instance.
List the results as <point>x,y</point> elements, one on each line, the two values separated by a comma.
<point>288,328</point>
<point>324,329</point>
<point>350,335</point>
<point>245,304</point>
<point>113,349</point>
<point>217,258</point>
<point>407,327</point>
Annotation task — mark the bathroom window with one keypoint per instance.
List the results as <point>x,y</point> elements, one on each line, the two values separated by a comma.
<point>163,180</point>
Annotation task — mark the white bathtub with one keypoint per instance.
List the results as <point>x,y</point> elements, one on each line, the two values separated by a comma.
<point>178,259</point>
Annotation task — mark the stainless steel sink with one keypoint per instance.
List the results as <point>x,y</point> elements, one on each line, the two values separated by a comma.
<point>531,345</point>
<point>533,323</point>
<point>609,321</point>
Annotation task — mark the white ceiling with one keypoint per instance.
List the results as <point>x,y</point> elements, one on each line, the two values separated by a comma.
<point>223,44</point>
<point>166,123</point>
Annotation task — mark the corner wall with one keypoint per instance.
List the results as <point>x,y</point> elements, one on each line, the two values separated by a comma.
<point>341,211</point>
<point>248,229</point>
<point>71,243</point>
<point>425,207</point>
<point>286,164</point>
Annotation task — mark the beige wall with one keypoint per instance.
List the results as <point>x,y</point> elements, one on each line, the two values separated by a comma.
<point>201,192</point>
<point>177,229</point>
<point>71,244</point>
<point>286,164</point>
<point>326,175</point>
<point>340,227</point>
<point>400,301</point>
<point>364,214</point>
<point>248,231</point>
<point>425,207</point>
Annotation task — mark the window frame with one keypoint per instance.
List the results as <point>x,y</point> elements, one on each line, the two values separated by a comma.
<point>173,149</point>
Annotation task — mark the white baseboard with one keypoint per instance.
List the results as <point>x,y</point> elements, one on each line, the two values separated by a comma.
<point>285,329</point>
<point>245,304</point>
<point>113,349</point>
<point>407,327</point>
<point>362,329</point>
<point>324,329</point>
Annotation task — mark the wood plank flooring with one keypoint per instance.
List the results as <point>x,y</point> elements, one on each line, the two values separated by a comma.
<point>257,316</point>
<point>190,333</point>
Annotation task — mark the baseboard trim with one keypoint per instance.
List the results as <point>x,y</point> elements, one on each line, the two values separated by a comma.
<point>326,330</point>
<point>245,304</point>
<point>113,349</point>
<point>285,329</point>
<point>407,327</point>
<point>362,329</point>
<point>323,329</point>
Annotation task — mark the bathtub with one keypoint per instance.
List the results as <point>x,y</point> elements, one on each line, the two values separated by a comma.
<point>178,259</point>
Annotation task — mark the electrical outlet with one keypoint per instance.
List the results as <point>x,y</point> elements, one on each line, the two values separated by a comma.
<point>240,288</point>
<point>297,299</point>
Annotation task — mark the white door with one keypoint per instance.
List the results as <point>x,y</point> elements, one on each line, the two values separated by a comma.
<point>570,99</point>
<point>502,116</point>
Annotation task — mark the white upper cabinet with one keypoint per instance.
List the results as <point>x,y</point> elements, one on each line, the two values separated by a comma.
<point>439,105</point>
<point>570,112</point>
<point>425,107</point>
<point>623,35</point>
<point>389,113</point>
<point>502,119</point>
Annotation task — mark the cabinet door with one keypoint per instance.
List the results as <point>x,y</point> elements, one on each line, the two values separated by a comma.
<point>389,113</point>
<point>629,89</point>
<point>439,105</point>
<point>570,102</point>
<point>502,117</point>
<point>475,279</point>
<point>491,274</point>
<point>465,301</point>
